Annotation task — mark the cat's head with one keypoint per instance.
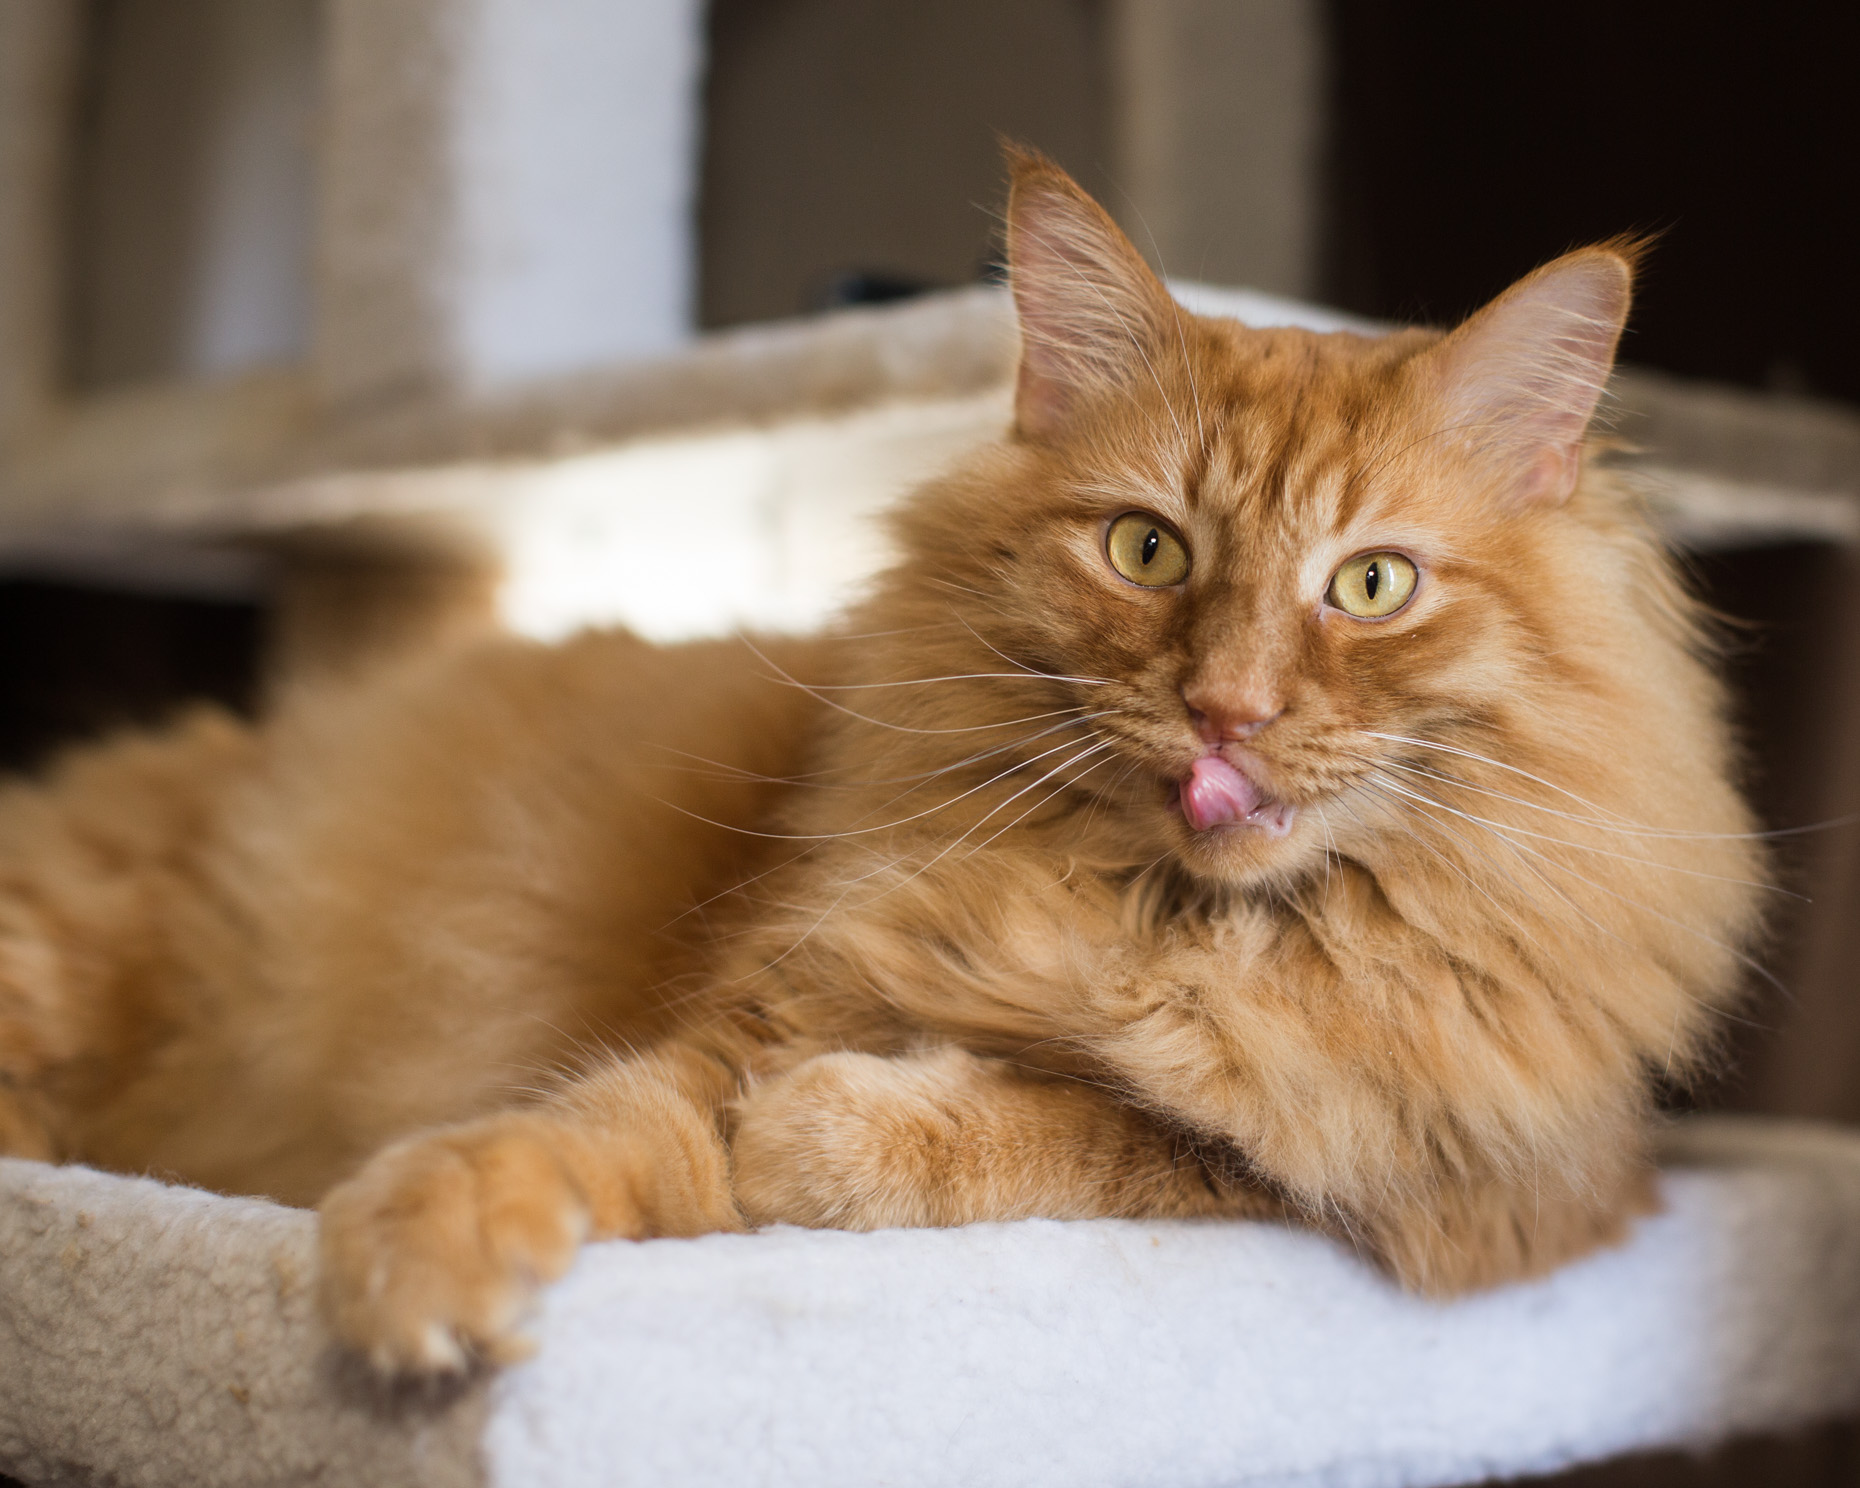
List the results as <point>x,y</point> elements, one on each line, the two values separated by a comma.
<point>1265,555</point>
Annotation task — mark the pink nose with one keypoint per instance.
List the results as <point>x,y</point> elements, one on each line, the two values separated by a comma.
<point>1219,714</point>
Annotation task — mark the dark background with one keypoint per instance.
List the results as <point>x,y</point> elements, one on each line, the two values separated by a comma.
<point>1471,142</point>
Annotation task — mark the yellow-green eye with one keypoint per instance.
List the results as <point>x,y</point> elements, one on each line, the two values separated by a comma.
<point>1372,585</point>
<point>1146,552</point>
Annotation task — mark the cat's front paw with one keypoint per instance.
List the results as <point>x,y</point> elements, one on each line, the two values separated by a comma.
<point>830,1145</point>
<point>431,1254</point>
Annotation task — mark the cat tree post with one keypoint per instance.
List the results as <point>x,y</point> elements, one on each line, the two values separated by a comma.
<point>1220,167</point>
<point>506,193</point>
<point>506,190</point>
<point>37,53</point>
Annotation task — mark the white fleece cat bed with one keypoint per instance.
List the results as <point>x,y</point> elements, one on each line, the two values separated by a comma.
<point>155,1335</point>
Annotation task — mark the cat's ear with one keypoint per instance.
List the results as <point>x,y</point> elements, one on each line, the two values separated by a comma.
<point>1521,378</point>
<point>1092,315</point>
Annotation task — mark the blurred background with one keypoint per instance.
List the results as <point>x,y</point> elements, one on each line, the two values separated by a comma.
<point>334,326</point>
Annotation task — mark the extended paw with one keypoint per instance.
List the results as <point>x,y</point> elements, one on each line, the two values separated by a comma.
<point>432,1253</point>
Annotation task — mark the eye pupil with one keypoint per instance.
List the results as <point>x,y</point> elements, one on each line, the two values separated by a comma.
<point>1372,585</point>
<point>1146,552</point>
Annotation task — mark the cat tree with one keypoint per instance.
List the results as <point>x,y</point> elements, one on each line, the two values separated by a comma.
<point>493,381</point>
<point>160,1336</point>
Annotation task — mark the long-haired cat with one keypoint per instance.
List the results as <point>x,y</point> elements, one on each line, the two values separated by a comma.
<point>1279,779</point>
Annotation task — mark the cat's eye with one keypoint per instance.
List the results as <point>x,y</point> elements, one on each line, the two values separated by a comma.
<point>1372,585</point>
<point>1146,552</point>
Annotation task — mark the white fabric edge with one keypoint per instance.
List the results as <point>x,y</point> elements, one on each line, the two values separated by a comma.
<point>158,1335</point>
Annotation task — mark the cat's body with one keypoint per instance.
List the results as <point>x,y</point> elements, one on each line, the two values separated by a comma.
<point>388,908</point>
<point>1271,783</point>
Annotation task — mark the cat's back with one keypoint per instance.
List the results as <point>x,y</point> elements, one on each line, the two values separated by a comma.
<point>594,787</point>
<point>394,899</point>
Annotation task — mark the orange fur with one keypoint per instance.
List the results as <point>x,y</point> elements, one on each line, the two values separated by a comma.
<point>904,924</point>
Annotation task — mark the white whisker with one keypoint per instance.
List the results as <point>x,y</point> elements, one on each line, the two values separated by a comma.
<point>791,681</point>
<point>1627,823</point>
<point>953,677</point>
<point>868,831</point>
<point>1016,662</point>
<point>962,837</point>
<point>1469,880</point>
<point>1521,848</point>
<point>1508,829</point>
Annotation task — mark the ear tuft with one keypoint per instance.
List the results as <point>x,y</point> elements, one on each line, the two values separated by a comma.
<point>1092,315</point>
<point>1522,377</point>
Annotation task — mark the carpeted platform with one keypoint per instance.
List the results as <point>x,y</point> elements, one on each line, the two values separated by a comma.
<point>154,1335</point>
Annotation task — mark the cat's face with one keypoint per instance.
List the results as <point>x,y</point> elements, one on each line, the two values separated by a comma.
<point>1265,557</point>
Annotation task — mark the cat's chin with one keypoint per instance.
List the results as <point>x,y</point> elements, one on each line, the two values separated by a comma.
<point>1242,857</point>
<point>1244,850</point>
<point>1270,821</point>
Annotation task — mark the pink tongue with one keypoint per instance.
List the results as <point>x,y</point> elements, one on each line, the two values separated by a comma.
<point>1215,792</point>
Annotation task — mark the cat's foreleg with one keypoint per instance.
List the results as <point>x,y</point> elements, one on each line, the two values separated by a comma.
<point>431,1254</point>
<point>860,1141</point>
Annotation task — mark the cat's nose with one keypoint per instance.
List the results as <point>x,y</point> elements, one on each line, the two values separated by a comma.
<point>1223,713</point>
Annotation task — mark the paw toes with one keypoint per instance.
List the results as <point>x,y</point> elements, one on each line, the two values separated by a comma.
<point>433,1252</point>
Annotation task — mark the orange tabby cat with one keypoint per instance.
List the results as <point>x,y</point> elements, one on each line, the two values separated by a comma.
<point>1277,780</point>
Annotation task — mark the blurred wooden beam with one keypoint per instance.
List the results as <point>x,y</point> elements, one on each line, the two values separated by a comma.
<point>38,63</point>
<point>1218,111</point>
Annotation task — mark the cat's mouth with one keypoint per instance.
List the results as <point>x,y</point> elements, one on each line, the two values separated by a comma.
<point>1216,795</point>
